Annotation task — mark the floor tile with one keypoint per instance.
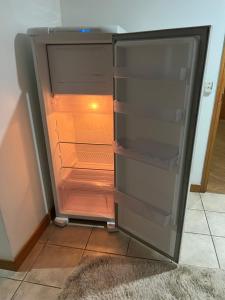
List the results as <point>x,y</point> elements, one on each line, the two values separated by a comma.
<point>26,265</point>
<point>30,291</point>
<point>219,243</point>
<point>194,201</point>
<point>103,241</point>
<point>198,250</point>
<point>46,234</point>
<point>216,223</point>
<point>195,222</point>
<point>54,265</point>
<point>72,236</point>
<point>213,202</point>
<point>137,249</point>
<point>8,288</point>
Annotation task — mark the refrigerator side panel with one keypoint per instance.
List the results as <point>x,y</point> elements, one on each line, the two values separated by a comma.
<point>44,91</point>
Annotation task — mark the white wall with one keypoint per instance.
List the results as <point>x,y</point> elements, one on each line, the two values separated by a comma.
<point>21,199</point>
<point>138,15</point>
<point>5,249</point>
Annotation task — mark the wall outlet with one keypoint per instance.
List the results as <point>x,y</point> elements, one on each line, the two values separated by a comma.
<point>208,87</point>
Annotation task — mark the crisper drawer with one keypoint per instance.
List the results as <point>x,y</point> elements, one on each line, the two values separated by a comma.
<point>87,193</point>
<point>81,69</point>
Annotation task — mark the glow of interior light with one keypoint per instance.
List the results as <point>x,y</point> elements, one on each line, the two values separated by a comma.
<point>94,105</point>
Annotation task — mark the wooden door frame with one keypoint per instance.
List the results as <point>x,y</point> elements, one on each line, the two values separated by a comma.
<point>220,96</point>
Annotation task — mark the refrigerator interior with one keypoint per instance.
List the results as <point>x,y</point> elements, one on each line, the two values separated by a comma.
<point>151,110</point>
<point>81,137</point>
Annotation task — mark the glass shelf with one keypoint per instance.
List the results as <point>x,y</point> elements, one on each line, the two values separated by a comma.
<point>87,156</point>
<point>88,179</point>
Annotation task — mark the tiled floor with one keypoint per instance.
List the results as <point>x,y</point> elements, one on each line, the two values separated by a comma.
<point>58,251</point>
<point>203,242</point>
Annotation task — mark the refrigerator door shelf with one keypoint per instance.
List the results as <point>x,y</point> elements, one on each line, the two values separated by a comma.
<point>146,210</point>
<point>154,112</point>
<point>156,154</point>
<point>178,75</point>
<point>151,93</point>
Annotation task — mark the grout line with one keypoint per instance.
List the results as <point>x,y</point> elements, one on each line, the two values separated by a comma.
<point>16,290</point>
<point>42,284</point>
<point>201,202</point>
<point>128,245</point>
<point>6,277</point>
<point>87,242</point>
<point>64,246</point>
<point>215,211</point>
<point>219,236</point>
<point>195,209</point>
<point>92,229</point>
<point>211,235</point>
<point>197,233</point>
<point>129,256</point>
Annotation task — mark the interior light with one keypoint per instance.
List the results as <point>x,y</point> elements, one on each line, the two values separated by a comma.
<point>94,105</point>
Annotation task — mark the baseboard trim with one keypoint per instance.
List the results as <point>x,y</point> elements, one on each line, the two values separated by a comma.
<point>196,188</point>
<point>14,265</point>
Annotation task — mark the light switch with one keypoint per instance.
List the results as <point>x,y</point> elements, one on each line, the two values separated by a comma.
<point>208,86</point>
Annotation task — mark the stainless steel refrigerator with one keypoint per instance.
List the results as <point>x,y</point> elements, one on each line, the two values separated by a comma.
<point>119,113</point>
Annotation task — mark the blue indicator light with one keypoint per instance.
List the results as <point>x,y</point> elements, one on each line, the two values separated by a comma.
<point>85,30</point>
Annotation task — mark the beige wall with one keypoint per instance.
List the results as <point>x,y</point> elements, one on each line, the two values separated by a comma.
<point>22,204</point>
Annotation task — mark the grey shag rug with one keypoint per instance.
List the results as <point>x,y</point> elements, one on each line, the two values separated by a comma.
<point>109,278</point>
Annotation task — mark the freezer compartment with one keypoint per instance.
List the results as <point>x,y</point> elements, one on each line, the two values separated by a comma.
<point>80,68</point>
<point>87,193</point>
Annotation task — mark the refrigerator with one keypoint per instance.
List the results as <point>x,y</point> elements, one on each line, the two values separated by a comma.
<point>119,114</point>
